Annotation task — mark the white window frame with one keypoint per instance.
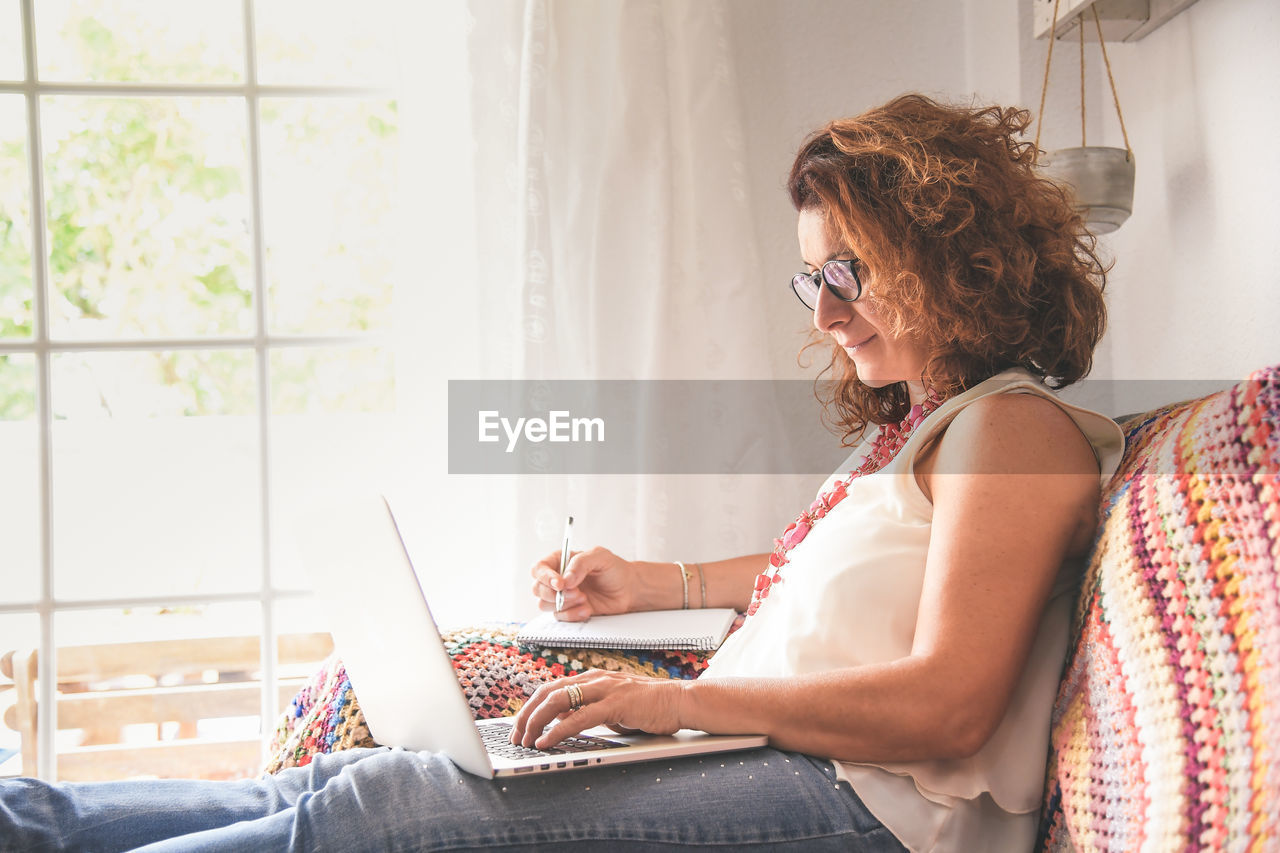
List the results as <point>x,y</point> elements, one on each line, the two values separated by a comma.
<point>261,343</point>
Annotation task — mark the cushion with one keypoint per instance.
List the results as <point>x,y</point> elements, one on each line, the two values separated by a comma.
<point>1166,729</point>
<point>497,674</point>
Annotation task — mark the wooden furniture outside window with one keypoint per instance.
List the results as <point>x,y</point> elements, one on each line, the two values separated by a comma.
<point>104,688</point>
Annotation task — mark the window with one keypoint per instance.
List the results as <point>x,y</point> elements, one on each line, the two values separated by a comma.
<point>197,207</point>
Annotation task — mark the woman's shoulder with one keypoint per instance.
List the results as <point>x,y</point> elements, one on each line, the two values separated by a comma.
<point>1009,449</point>
<point>1015,433</point>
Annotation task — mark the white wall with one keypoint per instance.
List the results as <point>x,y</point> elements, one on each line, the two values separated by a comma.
<point>1195,291</point>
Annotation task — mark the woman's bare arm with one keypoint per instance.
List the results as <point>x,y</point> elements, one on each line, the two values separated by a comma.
<point>729,582</point>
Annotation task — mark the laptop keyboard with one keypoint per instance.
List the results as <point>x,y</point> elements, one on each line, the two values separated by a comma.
<point>497,740</point>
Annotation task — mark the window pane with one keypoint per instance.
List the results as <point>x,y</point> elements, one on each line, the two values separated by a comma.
<point>15,220</point>
<point>18,632</point>
<point>171,691</point>
<point>299,651</point>
<point>331,433</point>
<point>11,41</point>
<point>148,41</point>
<point>148,212</point>
<point>19,499</point>
<point>332,381</point>
<point>302,647</point>
<point>155,474</point>
<point>296,618</point>
<point>325,41</point>
<point>329,171</point>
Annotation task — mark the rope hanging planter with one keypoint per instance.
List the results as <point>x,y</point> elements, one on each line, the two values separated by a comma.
<point>1100,178</point>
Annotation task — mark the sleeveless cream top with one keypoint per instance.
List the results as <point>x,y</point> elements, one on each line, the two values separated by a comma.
<point>850,597</point>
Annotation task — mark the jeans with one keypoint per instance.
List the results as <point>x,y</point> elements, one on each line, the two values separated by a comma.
<point>383,799</point>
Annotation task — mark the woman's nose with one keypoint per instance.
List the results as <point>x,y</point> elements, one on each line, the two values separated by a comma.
<point>831,311</point>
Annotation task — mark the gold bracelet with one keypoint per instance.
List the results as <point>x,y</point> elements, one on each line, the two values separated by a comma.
<point>684,581</point>
<point>702,585</point>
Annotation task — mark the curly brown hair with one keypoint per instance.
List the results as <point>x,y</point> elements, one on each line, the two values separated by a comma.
<point>964,247</point>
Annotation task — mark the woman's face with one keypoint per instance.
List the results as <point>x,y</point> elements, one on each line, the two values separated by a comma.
<point>880,357</point>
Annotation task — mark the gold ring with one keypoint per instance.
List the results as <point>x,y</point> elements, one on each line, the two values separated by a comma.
<point>575,698</point>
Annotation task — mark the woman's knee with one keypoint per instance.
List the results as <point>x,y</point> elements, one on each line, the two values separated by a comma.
<point>391,799</point>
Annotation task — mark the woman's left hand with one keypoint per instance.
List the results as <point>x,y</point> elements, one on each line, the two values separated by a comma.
<point>622,701</point>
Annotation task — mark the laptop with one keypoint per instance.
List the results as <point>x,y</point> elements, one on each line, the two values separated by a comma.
<point>394,655</point>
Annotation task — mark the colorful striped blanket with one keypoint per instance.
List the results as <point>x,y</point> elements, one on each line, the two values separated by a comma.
<point>1166,731</point>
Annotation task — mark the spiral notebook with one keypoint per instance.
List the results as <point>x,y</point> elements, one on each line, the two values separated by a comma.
<point>695,630</point>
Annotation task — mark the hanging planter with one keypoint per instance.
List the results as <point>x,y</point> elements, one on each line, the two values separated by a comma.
<point>1099,178</point>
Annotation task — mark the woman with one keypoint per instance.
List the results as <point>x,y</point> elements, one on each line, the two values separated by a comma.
<point>906,633</point>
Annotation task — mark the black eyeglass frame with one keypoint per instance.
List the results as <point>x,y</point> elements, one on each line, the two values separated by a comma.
<point>800,278</point>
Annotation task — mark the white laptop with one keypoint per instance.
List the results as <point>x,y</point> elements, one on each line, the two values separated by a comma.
<point>408,688</point>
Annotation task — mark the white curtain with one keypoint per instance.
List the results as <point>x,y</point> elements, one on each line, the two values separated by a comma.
<point>585,216</point>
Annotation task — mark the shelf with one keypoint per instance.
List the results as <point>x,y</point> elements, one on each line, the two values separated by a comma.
<point>1122,20</point>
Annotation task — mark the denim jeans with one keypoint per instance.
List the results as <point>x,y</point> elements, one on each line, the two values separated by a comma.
<point>381,799</point>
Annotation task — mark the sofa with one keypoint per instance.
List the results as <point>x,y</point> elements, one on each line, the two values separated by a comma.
<point>1166,730</point>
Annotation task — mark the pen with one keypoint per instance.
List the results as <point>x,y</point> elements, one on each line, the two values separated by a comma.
<point>564,560</point>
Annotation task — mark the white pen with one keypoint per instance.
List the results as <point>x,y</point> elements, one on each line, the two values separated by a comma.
<point>564,561</point>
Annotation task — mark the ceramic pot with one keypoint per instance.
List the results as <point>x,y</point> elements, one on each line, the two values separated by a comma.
<point>1101,180</point>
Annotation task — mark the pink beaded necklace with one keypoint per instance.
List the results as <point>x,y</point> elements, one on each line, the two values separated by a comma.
<point>884,447</point>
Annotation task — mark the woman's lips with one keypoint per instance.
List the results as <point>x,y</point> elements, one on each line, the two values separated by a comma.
<point>852,348</point>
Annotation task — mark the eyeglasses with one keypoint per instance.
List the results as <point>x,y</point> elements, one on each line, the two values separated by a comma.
<point>840,277</point>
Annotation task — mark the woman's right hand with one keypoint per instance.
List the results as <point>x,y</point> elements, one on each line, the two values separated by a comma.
<point>596,582</point>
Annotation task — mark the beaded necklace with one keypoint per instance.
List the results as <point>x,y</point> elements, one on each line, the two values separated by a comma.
<point>884,447</point>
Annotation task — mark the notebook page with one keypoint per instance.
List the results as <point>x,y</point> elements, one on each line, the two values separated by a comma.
<point>698,630</point>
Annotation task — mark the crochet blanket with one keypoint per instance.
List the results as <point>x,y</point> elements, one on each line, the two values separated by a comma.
<point>496,673</point>
<point>1166,730</point>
